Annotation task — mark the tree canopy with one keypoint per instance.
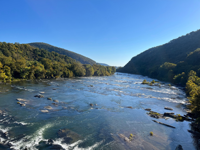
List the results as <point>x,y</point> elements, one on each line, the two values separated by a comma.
<point>22,61</point>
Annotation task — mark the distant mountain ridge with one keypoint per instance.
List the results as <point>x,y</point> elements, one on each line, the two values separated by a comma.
<point>174,51</point>
<point>82,59</point>
<point>103,64</point>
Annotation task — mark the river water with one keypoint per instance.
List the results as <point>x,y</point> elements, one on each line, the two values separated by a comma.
<point>92,127</point>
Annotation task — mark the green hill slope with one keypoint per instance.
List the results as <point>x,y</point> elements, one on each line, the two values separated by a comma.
<point>22,61</point>
<point>82,59</point>
<point>175,51</point>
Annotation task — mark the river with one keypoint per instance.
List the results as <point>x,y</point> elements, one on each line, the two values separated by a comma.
<point>92,113</point>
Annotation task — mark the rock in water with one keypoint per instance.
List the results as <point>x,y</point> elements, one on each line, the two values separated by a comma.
<point>179,147</point>
<point>168,108</point>
<point>21,100</point>
<point>56,101</point>
<point>40,96</point>
<point>91,105</point>
<point>68,136</point>
<point>49,98</point>
<point>22,104</point>
<point>124,137</point>
<point>130,107</point>
<point>48,107</point>
<point>44,111</point>
<point>50,141</point>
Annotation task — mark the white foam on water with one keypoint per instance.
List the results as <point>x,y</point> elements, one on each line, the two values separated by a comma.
<point>31,141</point>
<point>4,129</point>
<point>167,91</point>
<point>88,148</point>
<point>21,123</point>
<point>184,101</point>
<point>59,141</point>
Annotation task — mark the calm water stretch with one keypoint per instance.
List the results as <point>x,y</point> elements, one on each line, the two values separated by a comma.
<point>91,113</point>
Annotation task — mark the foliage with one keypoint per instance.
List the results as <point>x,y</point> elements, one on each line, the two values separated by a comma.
<point>82,59</point>
<point>151,133</point>
<point>22,61</point>
<point>145,82</point>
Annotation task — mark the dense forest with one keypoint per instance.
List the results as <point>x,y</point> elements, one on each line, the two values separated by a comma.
<point>177,62</point>
<point>82,59</point>
<point>22,61</point>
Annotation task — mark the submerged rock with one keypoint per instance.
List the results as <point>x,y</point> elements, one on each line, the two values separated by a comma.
<point>130,107</point>
<point>56,101</point>
<point>147,109</point>
<point>48,107</point>
<point>124,137</point>
<point>164,124</point>
<point>64,107</point>
<point>57,147</point>
<point>54,104</point>
<point>91,104</point>
<point>179,147</point>
<point>68,136</point>
<point>39,96</point>
<point>49,98</point>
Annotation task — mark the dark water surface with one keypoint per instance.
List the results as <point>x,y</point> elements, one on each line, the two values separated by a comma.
<point>99,126</point>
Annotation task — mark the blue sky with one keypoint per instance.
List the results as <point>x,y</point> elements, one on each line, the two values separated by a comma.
<point>107,31</point>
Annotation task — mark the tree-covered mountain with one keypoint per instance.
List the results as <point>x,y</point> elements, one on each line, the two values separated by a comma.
<point>22,61</point>
<point>178,62</point>
<point>168,60</point>
<point>82,59</point>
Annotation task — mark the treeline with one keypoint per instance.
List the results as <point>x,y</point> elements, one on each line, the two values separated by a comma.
<point>22,61</point>
<point>175,52</point>
<point>175,73</point>
<point>193,90</point>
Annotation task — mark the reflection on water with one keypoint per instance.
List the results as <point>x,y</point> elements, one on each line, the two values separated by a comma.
<point>91,113</point>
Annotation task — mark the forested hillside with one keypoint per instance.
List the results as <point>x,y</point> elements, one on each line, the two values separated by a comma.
<point>22,61</point>
<point>82,59</point>
<point>169,62</point>
<point>177,62</point>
